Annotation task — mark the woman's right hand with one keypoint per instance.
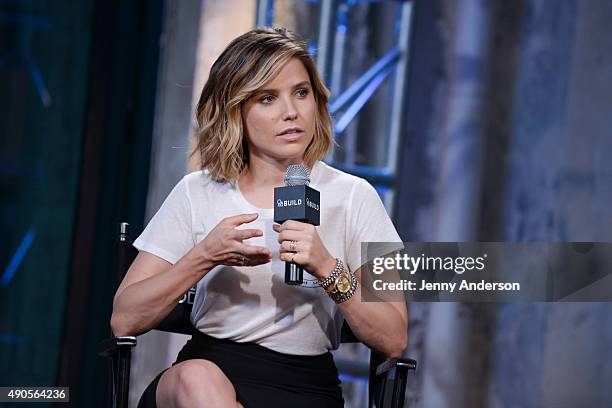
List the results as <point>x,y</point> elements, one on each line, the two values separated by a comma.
<point>224,246</point>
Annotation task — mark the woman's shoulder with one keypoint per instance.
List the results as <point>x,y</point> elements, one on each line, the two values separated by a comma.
<point>200,182</point>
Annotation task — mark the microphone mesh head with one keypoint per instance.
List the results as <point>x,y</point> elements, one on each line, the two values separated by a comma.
<point>297,175</point>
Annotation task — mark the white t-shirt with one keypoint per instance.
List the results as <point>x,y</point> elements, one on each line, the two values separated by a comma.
<point>253,304</point>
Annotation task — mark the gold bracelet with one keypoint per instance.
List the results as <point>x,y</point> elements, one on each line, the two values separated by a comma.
<point>327,282</point>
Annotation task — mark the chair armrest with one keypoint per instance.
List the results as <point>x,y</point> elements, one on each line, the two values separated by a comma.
<point>119,350</point>
<point>403,364</point>
<point>111,346</point>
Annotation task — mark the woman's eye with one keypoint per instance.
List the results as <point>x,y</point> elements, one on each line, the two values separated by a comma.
<point>266,99</point>
<point>302,92</point>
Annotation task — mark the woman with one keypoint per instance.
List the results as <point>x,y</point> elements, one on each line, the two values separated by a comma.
<point>260,342</point>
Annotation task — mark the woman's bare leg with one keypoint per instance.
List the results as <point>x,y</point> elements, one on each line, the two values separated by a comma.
<point>195,383</point>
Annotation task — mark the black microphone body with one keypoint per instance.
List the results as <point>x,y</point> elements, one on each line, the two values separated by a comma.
<point>299,203</point>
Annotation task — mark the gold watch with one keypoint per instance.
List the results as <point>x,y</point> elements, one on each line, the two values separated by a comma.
<point>342,284</point>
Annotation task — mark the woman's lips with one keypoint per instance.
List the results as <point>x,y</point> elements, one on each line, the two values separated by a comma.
<point>290,137</point>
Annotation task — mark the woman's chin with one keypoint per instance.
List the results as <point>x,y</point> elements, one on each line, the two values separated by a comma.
<point>284,153</point>
<point>287,158</point>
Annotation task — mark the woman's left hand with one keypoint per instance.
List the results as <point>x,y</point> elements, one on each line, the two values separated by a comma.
<point>300,244</point>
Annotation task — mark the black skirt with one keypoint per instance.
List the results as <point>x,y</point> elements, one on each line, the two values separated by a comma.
<point>262,377</point>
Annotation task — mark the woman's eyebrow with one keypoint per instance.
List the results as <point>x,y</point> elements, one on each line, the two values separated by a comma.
<point>272,90</point>
<point>301,84</point>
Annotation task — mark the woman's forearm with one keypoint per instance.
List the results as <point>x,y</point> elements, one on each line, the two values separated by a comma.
<point>381,325</point>
<point>143,304</point>
<point>378,324</point>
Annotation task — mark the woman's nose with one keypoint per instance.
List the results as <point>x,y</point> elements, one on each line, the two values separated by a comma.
<point>290,112</point>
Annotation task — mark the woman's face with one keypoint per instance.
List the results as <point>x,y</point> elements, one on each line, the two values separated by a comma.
<point>280,117</point>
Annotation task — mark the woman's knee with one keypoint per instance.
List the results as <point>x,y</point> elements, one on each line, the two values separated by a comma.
<point>195,382</point>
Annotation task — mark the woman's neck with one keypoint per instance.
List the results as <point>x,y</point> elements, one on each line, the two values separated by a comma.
<point>258,180</point>
<point>265,174</point>
<point>256,177</point>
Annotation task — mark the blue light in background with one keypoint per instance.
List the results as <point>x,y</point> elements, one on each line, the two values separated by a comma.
<point>10,338</point>
<point>349,377</point>
<point>18,257</point>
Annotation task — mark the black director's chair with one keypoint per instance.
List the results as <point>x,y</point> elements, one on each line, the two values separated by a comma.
<point>386,377</point>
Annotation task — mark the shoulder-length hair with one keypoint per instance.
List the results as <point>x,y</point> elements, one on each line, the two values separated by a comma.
<point>246,65</point>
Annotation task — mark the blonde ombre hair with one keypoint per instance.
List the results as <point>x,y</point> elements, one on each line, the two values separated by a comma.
<point>246,65</point>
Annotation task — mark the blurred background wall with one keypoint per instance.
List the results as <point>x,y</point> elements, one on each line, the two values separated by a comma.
<point>78,86</point>
<point>507,139</point>
<point>475,120</point>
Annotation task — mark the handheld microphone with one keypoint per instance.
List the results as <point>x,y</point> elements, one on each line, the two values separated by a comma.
<point>296,201</point>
